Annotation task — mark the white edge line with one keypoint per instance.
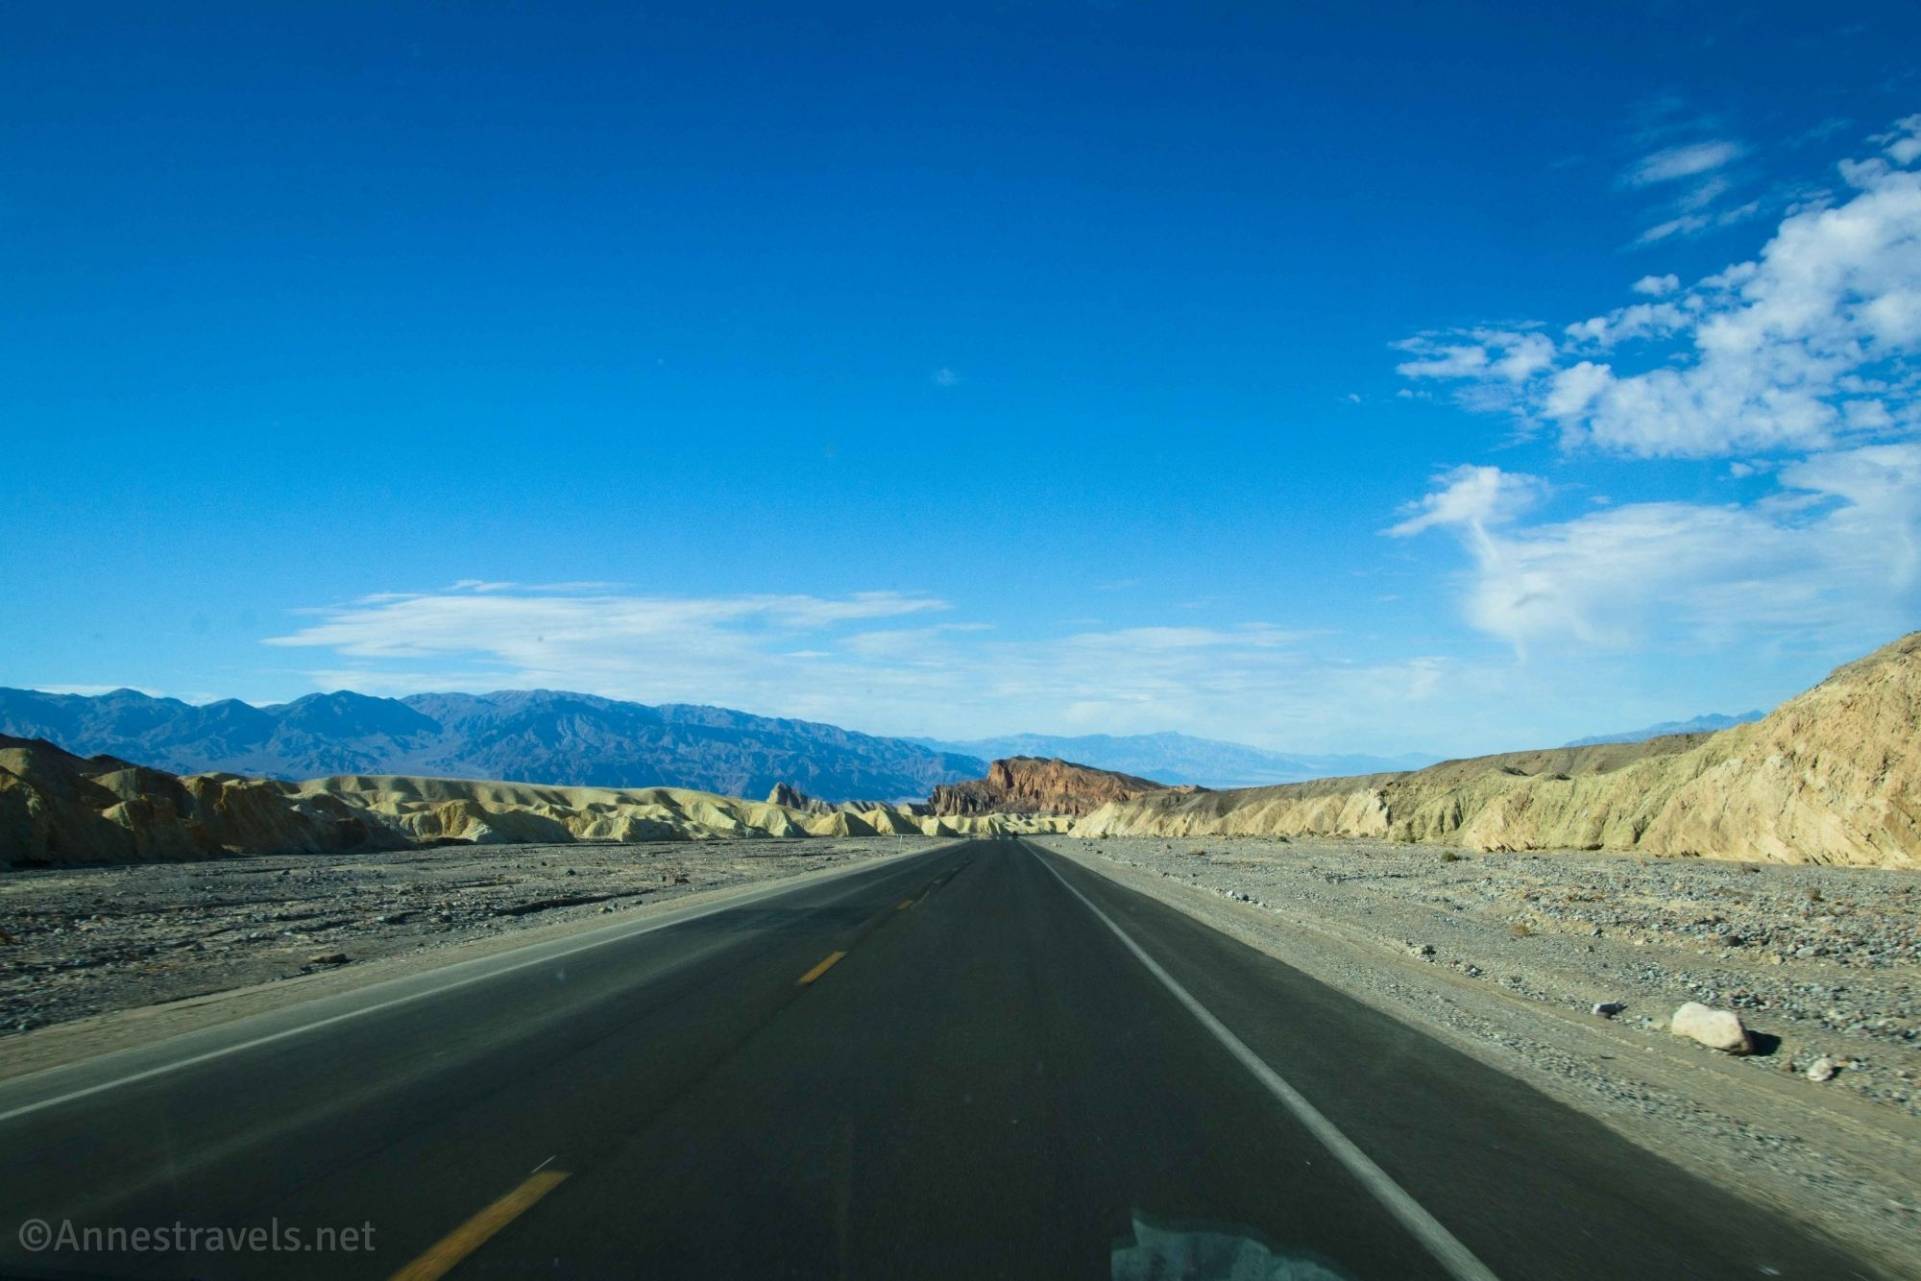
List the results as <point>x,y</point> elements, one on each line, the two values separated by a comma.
<point>304,1028</point>
<point>1442,1244</point>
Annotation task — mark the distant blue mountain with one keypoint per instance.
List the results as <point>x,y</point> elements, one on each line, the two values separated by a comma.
<point>528,736</point>
<point>1182,758</point>
<point>1706,723</point>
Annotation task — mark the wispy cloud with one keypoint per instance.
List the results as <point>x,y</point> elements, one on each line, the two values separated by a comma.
<point>1471,498</point>
<point>1903,142</point>
<point>1688,224</point>
<point>526,636</point>
<point>1686,161</point>
<point>865,661</point>
<point>1837,550</point>
<point>1693,169</point>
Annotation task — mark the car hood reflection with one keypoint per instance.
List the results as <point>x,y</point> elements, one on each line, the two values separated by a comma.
<point>1211,1252</point>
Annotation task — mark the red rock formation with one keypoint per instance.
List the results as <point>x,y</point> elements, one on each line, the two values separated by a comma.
<point>1032,785</point>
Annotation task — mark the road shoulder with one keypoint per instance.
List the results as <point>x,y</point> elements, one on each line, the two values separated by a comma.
<point>1842,1164</point>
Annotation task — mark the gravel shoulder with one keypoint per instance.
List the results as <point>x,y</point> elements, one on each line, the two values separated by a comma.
<point>1506,955</point>
<point>100,958</point>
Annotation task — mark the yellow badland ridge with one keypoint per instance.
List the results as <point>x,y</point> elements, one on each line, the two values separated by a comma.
<point>1831,776</point>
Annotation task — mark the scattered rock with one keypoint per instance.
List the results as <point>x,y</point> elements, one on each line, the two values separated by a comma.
<point>1822,1069</point>
<point>1608,1009</point>
<point>1421,950</point>
<point>328,958</point>
<point>1716,1029</point>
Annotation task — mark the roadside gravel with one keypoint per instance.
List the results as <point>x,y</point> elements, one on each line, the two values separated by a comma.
<point>1507,956</point>
<point>93,958</point>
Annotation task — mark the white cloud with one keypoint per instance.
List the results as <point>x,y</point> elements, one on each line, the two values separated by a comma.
<point>1573,389</point>
<point>945,377</point>
<point>1458,361</point>
<point>1526,356</point>
<point>1807,347</point>
<point>1472,498</point>
<point>1835,550</point>
<point>1797,366</point>
<point>1684,161</point>
<point>1903,142</point>
<point>1506,355</point>
<point>1638,320</point>
<point>545,632</point>
<point>1702,194</point>
<point>894,642</point>
<point>841,660</point>
<point>1688,224</point>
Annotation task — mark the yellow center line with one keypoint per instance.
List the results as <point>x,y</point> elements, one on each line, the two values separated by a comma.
<point>473,1234</point>
<point>820,969</point>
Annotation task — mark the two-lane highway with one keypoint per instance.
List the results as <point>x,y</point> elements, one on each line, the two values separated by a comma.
<point>979,1061</point>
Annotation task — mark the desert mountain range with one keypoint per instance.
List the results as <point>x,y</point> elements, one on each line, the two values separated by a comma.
<point>557,737</point>
<point>1706,723</point>
<point>1832,776</point>
<point>532,736</point>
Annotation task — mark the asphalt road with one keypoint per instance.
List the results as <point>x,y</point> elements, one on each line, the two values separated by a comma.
<point>981,1061</point>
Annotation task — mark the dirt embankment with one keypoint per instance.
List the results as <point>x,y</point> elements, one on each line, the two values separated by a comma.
<point>1832,776</point>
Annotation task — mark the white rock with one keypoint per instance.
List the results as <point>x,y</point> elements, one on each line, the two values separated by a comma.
<point>1608,1009</point>
<point>1823,1069</point>
<point>1716,1029</point>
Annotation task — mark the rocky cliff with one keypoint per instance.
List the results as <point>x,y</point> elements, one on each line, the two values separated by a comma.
<point>1034,785</point>
<point>1832,776</point>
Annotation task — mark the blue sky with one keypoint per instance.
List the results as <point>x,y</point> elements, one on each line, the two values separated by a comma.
<point>1415,377</point>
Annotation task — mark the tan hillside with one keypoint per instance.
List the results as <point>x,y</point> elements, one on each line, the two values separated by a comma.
<point>1033,785</point>
<point>59,808</point>
<point>1832,776</point>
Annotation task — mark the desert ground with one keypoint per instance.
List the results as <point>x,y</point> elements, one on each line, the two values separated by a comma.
<point>182,945</point>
